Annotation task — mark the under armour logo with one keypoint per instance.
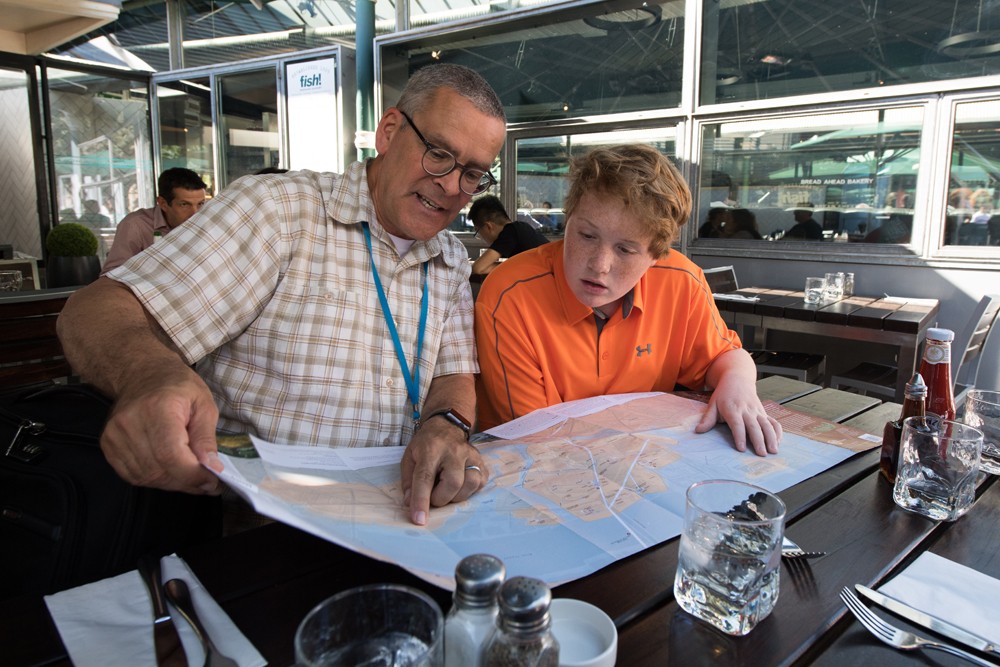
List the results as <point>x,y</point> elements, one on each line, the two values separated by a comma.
<point>639,349</point>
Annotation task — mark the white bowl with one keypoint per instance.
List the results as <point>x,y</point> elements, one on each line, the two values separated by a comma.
<point>587,636</point>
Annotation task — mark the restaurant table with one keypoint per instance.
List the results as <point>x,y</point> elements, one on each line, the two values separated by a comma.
<point>268,578</point>
<point>889,321</point>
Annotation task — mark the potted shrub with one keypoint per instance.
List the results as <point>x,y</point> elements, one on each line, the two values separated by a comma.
<point>72,258</point>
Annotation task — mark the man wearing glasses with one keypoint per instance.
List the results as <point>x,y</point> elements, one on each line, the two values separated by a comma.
<point>320,309</point>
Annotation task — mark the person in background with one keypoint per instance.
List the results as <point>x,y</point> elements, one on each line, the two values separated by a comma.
<point>805,227</point>
<point>546,218</point>
<point>95,221</point>
<point>180,194</point>
<point>275,291</point>
<point>742,225</point>
<point>612,309</point>
<point>715,223</point>
<point>505,237</point>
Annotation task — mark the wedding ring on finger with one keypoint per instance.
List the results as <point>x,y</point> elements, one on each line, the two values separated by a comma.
<point>476,468</point>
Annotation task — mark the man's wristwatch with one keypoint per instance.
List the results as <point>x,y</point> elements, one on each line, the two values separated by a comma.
<point>455,418</point>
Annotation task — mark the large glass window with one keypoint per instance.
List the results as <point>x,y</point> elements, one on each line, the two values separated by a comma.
<point>185,115</point>
<point>973,216</point>
<point>248,118</point>
<point>848,176</point>
<point>19,213</point>
<point>101,149</point>
<point>543,167</point>
<point>773,48</point>
<point>574,62</point>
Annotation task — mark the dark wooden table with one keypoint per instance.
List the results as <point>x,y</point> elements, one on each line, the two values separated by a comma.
<point>269,578</point>
<point>856,318</point>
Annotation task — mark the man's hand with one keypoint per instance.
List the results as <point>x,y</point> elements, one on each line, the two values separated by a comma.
<point>439,467</point>
<point>735,402</point>
<point>160,434</point>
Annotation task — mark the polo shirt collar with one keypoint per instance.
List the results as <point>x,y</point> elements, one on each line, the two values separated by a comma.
<point>352,211</point>
<point>159,220</point>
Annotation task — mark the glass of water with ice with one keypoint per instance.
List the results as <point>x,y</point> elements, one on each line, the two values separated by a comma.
<point>382,625</point>
<point>938,467</point>
<point>730,554</point>
<point>982,411</point>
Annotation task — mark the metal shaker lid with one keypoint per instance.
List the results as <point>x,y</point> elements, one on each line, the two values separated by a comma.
<point>524,603</point>
<point>477,578</point>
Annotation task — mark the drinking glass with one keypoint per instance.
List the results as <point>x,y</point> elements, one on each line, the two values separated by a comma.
<point>376,625</point>
<point>10,281</point>
<point>848,284</point>
<point>982,411</point>
<point>730,554</point>
<point>938,466</point>
<point>834,289</point>
<point>815,287</point>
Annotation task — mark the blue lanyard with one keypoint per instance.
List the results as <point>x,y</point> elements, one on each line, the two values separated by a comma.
<point>412,380</point>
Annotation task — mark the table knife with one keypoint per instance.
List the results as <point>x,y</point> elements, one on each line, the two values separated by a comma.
<point>927,621</point>
<point>169,651</point>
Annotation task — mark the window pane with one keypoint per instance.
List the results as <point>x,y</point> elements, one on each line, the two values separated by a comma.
<point>185,109</point>
<point>248,120</point>
<point>973,215</point>
<point>567,64</point>
<point>853,174</point>
<point>101,149</point>
<point>19,214</point>
<point>543,166</point>
<point>774,48</point>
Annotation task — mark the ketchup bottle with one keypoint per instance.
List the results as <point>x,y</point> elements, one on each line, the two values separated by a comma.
<point>936,371</point>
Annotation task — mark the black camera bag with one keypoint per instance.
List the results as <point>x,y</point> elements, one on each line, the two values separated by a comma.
<point>66,518</point>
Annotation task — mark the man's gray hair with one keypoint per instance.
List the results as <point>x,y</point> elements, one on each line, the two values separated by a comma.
<point>420,89</point>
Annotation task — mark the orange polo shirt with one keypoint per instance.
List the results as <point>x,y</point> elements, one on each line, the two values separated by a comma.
<point>538,345</point>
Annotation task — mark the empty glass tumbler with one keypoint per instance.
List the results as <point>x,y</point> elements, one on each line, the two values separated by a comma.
<point>938,466</point>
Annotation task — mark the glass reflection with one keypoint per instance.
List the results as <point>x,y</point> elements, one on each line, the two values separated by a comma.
<point>973,216</point>
<point>773,48</point>
<point>837,177</point>
<point>101,150</point>
<point>186,139</point>
<point>543,164</point>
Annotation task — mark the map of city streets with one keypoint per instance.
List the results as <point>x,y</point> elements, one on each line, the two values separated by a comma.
<point>572,488</point>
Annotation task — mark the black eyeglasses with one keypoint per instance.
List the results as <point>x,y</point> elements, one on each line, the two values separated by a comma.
<point>439,162</point>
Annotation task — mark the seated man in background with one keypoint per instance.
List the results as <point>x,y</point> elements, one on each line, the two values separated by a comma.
<point>180,193</point>
<point>611,309</point>
<point>505,237</point>
<point>275,291</point>
<point>805,227</point>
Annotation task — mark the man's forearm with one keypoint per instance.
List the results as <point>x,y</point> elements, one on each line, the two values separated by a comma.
<point>110,340</point>
<point>456,392</point>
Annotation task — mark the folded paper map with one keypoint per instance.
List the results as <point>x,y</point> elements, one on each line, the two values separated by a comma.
<point>572,488</point>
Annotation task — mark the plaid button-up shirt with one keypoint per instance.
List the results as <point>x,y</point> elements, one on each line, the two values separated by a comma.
<point>269,289</point>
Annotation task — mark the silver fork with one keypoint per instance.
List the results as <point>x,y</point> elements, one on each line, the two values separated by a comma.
<point>790,549</point>
<point>896,637</point>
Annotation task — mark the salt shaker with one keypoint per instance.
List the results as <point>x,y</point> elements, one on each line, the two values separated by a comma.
<point>474,609</point>
<point>523,636</point>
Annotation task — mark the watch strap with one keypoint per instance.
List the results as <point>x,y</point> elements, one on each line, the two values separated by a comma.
<point>455,418</point>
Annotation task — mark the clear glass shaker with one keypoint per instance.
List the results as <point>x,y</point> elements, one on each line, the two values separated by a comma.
<point>473,613</point>
<point>523,636</point>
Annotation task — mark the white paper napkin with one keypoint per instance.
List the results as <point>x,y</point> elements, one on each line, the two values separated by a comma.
<point>951,592</point>
<point>110,622</point>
